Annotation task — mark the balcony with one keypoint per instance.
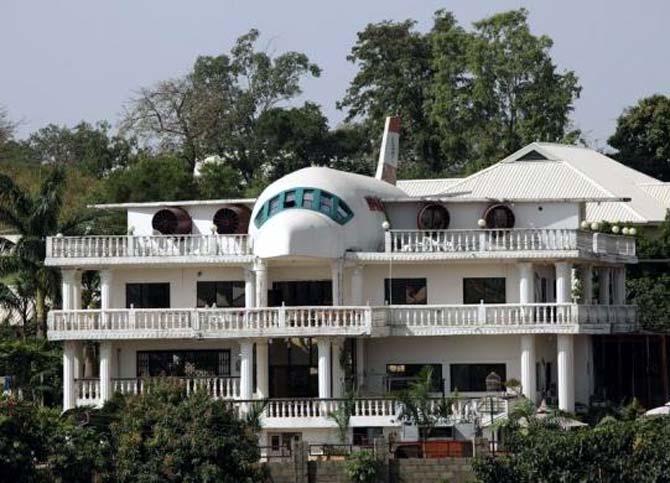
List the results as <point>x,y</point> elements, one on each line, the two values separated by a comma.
<point>500,243</point>
<point>119,324</point>
<point>303,412</point>
<point>145,249</point>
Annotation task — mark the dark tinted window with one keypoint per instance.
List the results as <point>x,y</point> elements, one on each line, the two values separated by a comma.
<point>221,294</point>
<point>183,363</point>
<point>472,377</point>
<point>148,295</point>
<point>406,291</point>
<point>490,290</point>
<point>399,376</point>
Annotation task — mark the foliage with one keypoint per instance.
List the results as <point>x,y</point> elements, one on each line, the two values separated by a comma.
<point>218,180</point>
<point>213,444</point>
<point>467,99</point>
<point>91,148</point>
<point>642,137</point>
<point>34,216</point>
<point>342,416</point>
<point>616,451</point>
<point>7,126</point>
<point>34,366</point>
<point>363,466</point>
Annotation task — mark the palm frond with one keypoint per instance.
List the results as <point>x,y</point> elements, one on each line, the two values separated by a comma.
<point>12,219</point>
<point>12,194</point>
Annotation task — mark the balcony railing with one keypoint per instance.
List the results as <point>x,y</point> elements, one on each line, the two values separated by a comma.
<point>87,391</point>
<point>514,240</point>
<point>345,321</point>
<point>129,246</point>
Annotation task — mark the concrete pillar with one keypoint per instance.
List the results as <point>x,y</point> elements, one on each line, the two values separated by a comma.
<point>528,383</point>
<point>619,287</point>
<point>323,345</point>
<point>357,286</point>
<point>69,348</point>
<point>261,269</point>
<point>360,362</point>
<point>338,371</point>
<point>604,285</point>
<point>336,268</point>
<point>76,290</point>
<point>246,369</point>
<point>587,284</point>
<point>78,360</point>
<point>563,282</point>
<point>249,288</point>
<point>106,289</point>
<point>566,372</point>
<point>262,379</point>
<point>106,390</point>
<point>526,283</point>
<point>67,282</point>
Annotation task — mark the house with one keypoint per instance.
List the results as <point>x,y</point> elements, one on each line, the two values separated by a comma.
<point>331,282</point>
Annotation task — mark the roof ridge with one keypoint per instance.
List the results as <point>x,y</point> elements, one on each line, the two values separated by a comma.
<point>587,177</point>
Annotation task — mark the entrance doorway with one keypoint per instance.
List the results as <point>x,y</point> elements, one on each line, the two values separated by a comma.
<point>293,368</point>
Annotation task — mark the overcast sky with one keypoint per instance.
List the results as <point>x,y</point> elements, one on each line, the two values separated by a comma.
<point>66,61</point>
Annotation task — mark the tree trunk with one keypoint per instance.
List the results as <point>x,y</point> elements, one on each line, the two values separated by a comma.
<point>40,314</point>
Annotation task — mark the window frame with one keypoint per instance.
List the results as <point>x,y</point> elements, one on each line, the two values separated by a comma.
<point>231,284</point>
<point>394,289</point>
<point>469,301</point>
<point>221,371</point>
<point>145,296</point>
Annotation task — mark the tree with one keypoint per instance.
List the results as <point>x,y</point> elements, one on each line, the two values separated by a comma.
<point>34,366</point>
<point>214,110</point>
<point>218,180</point>
<point>7,126</point>
<point>466,98</point>
<point>213,444</point>
<point>642,137</point>
<point>34,216</point>
<point>86,146</point>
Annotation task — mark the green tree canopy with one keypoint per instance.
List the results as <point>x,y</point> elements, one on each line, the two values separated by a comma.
<point>642,137</point>
<point>467,98</point>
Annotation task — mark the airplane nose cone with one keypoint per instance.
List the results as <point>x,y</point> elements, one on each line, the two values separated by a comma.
<point>299,233</point>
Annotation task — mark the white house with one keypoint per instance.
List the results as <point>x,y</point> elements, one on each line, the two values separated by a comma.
<point>332,282</point>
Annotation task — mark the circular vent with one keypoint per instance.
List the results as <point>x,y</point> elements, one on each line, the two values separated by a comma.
<point>499,217</point>
<point>233,219</point>
<point>172,221</point>
<point>433,216</point>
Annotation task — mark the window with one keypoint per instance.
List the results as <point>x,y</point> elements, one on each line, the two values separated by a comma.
<point>489,290</point>
<point>433,217</point>
<point>472,377</point>
<point>399,376</point>
<point>301,293</point>
<point>499,217</point>
<point>196,363</point>
<point>148,295</point>
<point>406,291</point>
<point>223,294</point>
<point>307,199</point>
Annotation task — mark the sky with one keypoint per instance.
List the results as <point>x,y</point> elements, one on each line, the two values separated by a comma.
<point>63,61</point>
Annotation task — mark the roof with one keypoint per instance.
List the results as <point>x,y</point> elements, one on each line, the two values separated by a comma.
<point>425,187</point>
<point>159,204</point>
<point>545,171</point>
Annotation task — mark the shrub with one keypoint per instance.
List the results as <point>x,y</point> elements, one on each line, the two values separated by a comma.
<point>363,466</point>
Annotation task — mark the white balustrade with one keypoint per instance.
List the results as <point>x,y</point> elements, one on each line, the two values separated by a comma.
<point>87,392</point>
<point>520,239</point>
<point>104,246</point>
<point>215,387</point>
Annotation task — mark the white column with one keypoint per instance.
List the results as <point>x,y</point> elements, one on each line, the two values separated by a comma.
<point>106,370</point>
<point>261,270</point>
<point>587,284</point>
<point>604,285</point>
<point>566,372</point>
<point>336,274</point>
<point>360,362</point>
<point>69,348</point>
<point>78,360</point>
<point>249,288</point>
<point>324,368</point>
<point>526,283</point>
<point>619,287</point>
<point>246,369</point>
<point>357,286</point>
<point>67,282</point>
<point>106,289</point>
<point>338,371</point>
<point>76,290</point>
<point>262,380</point>
<point>528,383</point>
<point>563,282</point>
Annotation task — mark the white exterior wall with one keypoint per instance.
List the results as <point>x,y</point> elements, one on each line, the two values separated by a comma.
<point>202,217</point>
<point>465,215</point>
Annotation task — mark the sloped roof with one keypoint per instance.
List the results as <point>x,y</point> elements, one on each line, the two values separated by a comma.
<point>543,171</point>
<point>426,187</point>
